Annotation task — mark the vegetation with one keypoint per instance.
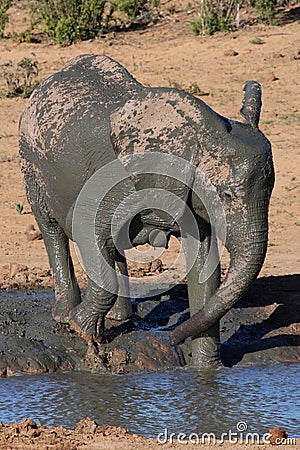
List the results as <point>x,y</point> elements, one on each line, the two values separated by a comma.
<point>68,21</point>
<point>267,8</point>
<point>19,80</point>
<point>224,15</point>
<point>215,16</point>
<point>4,6</point>
<point>19,207</point>
<point>195,90</point>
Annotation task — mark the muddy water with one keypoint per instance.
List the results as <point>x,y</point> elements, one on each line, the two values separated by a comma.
<point>182,400</point>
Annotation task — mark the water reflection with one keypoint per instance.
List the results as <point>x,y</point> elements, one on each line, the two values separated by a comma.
<point>182,400</point>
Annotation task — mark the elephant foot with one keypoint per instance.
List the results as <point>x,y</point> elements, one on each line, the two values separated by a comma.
<point>86,323</point>
<point>64,303</point>
<point>206,363</point>
<point>206,353</point>
<point>121,311</point>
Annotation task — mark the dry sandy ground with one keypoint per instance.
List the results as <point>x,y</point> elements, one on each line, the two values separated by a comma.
<point>164,54</point>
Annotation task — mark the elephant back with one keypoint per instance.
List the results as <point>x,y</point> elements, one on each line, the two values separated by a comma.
<point>85,91</point>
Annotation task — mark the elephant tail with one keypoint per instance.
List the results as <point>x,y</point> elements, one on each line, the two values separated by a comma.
<point>251,103</point>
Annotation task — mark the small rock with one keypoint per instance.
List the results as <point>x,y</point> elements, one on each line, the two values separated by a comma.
<point>257,41</point>
<point>176,85</point>
<point>27,424</point>
<point>141,269</point>
<point>93,359</point>
<point>118,358</point>
<point>86,425</point>
<point>156,266</point>
<point>6,63</point>
<point>277,436</point>
<point>16,268</point>
<point>145,308</point>
<point>230,52</point>
<point>138,269</point>
<point>32,278</point>
<point>297,55</point>
<point>32,234</point>
<point>21,278</point>
<point>121,369</point>
<point>3,372</point>
<point>271,77</point>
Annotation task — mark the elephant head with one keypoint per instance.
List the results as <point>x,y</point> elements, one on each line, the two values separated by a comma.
<point>241,170</point>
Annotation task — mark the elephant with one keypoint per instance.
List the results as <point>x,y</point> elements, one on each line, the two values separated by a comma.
<point>93,113</point>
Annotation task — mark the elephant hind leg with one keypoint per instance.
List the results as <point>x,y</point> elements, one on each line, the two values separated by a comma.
<point>122,309</point>
<point>67,293</point>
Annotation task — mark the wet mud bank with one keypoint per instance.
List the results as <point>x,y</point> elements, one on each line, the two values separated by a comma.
<point>264,327</point>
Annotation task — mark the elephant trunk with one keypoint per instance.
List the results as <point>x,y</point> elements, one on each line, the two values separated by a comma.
<point>246,261</point>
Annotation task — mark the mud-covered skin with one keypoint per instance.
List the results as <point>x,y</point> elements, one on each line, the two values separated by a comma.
<point>93,111</point>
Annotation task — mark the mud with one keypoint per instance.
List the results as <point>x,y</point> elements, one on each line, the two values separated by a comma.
<point>262,328</point>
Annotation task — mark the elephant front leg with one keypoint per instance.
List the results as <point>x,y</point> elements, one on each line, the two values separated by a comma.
<point>205,348</point>
<point>87,318</point>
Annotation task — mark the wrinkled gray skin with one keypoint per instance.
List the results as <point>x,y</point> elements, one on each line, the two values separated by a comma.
<point>93,111</point>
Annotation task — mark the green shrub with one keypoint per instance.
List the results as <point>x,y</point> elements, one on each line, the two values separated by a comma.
<point>196,27</point>
<point>66,31</point>
<point>266,9</point>
<point>68,21</point>
<point>221,15</point>
<point>215,16</point>
<point>4,6</point>
<point>195,90</point>
<point>24,36</point>
<point>133,11</point>
<point>130,7</point>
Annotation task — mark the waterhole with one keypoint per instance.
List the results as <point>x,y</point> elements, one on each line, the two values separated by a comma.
<point>179,401</point>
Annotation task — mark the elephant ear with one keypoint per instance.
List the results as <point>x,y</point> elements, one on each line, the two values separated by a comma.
<point>155,126</point>
<point>252,103</point>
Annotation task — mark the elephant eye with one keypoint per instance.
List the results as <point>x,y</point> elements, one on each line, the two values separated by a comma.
<point>228,195</point>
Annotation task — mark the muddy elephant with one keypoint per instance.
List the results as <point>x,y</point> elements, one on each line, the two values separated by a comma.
<point>92,113</point>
